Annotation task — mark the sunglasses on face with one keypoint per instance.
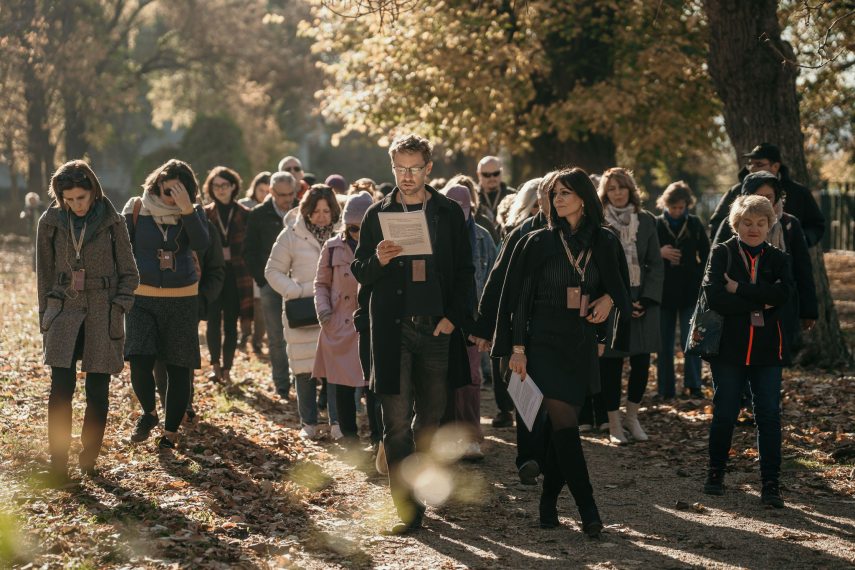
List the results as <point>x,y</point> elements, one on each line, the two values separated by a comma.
<point>491,174</point>
<point>353,229</point>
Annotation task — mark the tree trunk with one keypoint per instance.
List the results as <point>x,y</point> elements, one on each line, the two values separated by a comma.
<point>76,145</point>
<point>39,149</point>
<point>548,153</point>
<point>758,90</point>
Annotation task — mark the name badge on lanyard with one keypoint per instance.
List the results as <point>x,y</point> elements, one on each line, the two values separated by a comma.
<point>419,271</point>
<point>227,253</point>
<point>753,268</point>
<point>575,298</point>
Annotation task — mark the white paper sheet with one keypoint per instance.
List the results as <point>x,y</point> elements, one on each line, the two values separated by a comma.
<point>527,398</point>
<point>407,229</point>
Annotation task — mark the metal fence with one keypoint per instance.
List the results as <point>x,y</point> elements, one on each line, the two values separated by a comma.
<point>838,206</point>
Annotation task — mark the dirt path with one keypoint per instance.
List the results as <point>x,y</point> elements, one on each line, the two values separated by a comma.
<point>244,492</point>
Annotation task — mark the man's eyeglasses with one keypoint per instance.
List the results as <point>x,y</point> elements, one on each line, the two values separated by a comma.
<point>293,169</point>
<point>353,229</point>
<point>491,174</point>
<point>286,195</point>
<point>412,171</point>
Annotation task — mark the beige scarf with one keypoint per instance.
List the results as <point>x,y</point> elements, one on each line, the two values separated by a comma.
<point>625,221</point>
<point>776,232</point>
<point>153,206</point>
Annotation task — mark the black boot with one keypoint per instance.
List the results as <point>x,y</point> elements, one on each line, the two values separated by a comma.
<point>714,485</point>
<point>553,482</point>
<point>571,460</point>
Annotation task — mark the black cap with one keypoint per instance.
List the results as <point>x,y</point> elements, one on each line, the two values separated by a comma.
<point>765,150</point>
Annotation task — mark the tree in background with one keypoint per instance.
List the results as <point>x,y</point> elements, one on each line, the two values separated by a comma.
<point>551,81</point>
<point>755,74</point>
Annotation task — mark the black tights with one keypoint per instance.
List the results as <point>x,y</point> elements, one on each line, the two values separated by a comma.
<point>177,389</point>
<point>611,370</point>
<point>63,382</point>
<point>561,414</point>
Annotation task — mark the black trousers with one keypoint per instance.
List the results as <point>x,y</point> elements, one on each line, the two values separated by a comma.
<point>345,404</point>
<point>611,370</point>
<point>501,374</point>
<point>63,383</point>
<point>177,389</point>
<point>223,315</point>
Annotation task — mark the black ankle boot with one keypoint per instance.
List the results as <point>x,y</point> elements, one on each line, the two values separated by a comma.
<point>571,460</point>
<point>714,484</point>
<point>553,482</point>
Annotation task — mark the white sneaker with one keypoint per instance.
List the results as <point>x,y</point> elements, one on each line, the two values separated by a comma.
<point>335,432</point>
<point>309,432</point>
<point>473,452</point>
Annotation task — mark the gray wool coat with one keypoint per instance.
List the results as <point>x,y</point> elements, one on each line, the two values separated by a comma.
<point>645,335</point>
<point>101,306</point>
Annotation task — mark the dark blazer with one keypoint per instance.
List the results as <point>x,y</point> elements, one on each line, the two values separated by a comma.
<point>263,226</point>
<point>453,257</point>
<point>236,243</point>
<point>799,202</point>
<point>537,247</point>
<point>742,344</point>
<point>683,281</point>
<point>488,307</point>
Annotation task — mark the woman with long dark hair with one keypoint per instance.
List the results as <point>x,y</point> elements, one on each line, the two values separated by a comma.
<point>86,281</point>
<point>563,284</point>
<point>166,229</point>
<point>235,300</point>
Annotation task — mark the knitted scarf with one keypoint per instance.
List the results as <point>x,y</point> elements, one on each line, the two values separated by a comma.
<point>625,220</point>
<point>321,233</point>
<point>776,232</point>
<point>153,206</point>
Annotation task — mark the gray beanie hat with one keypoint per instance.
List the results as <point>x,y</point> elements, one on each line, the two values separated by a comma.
<point>356,206</point>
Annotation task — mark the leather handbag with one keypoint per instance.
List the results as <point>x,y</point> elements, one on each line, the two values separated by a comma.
<point>706,325</point>
<point>301,312</point>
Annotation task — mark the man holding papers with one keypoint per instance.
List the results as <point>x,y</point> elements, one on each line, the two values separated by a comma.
<point>563,284</point>
<point>418,310</point>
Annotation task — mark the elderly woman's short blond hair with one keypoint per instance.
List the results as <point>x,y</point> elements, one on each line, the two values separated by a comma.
<point>752,205</point>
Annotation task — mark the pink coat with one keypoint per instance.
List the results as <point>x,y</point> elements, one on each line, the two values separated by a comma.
<point>337,358</point>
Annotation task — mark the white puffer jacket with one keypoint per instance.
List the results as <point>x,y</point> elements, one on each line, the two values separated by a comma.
<point>290,270</point>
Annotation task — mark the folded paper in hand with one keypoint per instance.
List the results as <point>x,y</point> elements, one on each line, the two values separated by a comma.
<point>408,230</point>
<point>527,398</point>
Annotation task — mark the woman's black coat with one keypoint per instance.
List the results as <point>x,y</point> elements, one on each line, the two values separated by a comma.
<point>453,259</point>
<point>537,247</point>
<point>768,345</point>
<point>683,281</point>
<point>803,303</point>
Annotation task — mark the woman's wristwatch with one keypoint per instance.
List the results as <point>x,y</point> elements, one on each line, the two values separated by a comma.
<point>519,350</point>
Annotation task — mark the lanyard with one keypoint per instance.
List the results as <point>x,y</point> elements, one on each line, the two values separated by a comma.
<point>753,266</point>
<point>225,230</point>
<point>575,261</point>
<point>681,233</point>
<point>78,245</point>
<point>496,199</point>
<point>404,204</point>
<point>163,231</point>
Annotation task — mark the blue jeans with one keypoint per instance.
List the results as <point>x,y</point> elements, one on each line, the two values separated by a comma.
<point>272,306</point>
<point>666,381</point>
<point>307,398</point>
<point>410,415</point>
<point>765,382</point>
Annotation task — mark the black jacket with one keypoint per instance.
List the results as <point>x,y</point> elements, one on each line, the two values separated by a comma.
<point>538,246</point>
<point>803,303</point>
<point>262,228</point>
<point>488,308</point>
<point>799,202</point>
<point>742,344</point>
<point>453,261</point>
<point>213,268</point>
<point>683,281</point>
